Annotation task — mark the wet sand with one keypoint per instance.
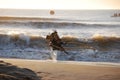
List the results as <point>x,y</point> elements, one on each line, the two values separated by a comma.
<point>50,70</point>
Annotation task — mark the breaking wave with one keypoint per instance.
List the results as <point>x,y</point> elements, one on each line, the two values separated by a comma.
<point>96,42</point>
<point>99,48</point>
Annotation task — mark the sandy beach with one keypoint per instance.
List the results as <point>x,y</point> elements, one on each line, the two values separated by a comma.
<point>62,70</point>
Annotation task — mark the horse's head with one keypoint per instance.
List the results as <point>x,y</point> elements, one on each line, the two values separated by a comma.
<point>48,37</point>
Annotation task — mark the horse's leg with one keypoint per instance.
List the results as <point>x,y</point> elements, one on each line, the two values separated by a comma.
<point>62,49</point>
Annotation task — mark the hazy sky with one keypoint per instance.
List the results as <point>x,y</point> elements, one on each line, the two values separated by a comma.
<point>60,4</point>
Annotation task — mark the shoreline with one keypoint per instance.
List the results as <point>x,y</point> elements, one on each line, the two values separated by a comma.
<point>88,63</point>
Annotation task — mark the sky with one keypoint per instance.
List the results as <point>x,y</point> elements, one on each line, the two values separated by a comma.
<point>60,4</point>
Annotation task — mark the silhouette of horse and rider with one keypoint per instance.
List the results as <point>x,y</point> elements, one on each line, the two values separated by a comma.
<point>55,42</point>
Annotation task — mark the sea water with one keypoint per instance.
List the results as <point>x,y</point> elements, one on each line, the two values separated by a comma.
<point>90,35</point>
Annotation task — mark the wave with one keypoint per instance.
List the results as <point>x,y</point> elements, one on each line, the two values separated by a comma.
<point>72,43</point>
<point>100,43</point>
<point>60,24</point>
<point>20,40</point>
<point>98,48</point>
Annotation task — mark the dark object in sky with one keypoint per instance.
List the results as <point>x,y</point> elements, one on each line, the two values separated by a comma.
<point>52,12</point>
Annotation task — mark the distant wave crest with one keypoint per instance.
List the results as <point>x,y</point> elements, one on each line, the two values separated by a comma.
<point>61,24</point>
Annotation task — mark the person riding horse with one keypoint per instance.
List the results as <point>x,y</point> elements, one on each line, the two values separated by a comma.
<point>55,42</point>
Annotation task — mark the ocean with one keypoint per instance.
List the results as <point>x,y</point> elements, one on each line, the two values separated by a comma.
<point>90,35</point>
